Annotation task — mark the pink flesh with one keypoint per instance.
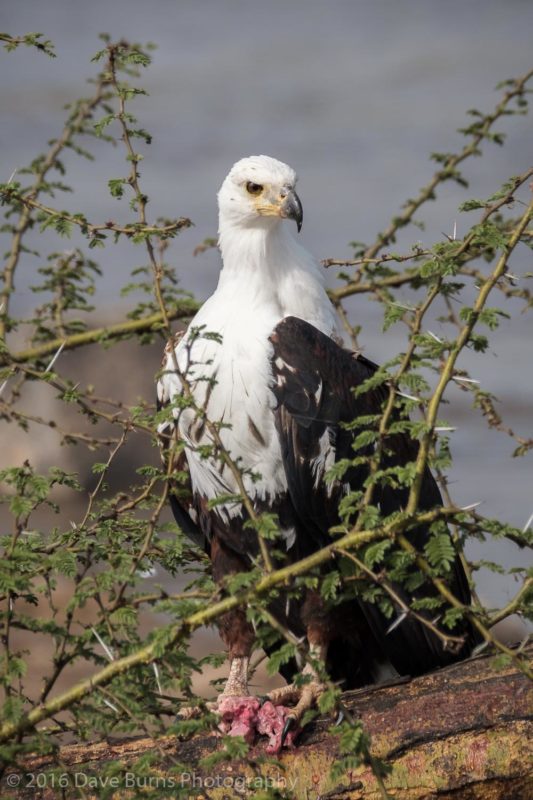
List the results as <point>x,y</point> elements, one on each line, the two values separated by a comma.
<point>271,720</point>
<point>245,716</point>
<point>238,716</point>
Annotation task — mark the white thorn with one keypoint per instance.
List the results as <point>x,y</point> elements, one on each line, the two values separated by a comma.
<point>53,361</point>
<point>107,650</point>
<point>401,305</point>
<point>13,175</point>
<point>287,606</point>
<point>111,706</point>
<point>471,506</point>
<point>479,649</point>
<point>73,525</point>
<point>156,673</point>
<point>443,429</point>
<point>460,379</point>
<point>528,523</point>
<point>408,396</point>
<point>454,235</point>
<point>2,306</point>
<point>397,621</point>
<point>151,572</point>
<point>434,336</point>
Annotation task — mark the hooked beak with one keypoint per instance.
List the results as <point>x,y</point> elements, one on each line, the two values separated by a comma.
<point>291,208</point>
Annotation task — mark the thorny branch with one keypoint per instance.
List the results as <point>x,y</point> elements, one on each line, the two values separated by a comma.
<point>478,132</point>
<point>206,615</point>
<point>83,113</point>
<point>9,194</point>
<point>119,330</point>
<point>208,604</point>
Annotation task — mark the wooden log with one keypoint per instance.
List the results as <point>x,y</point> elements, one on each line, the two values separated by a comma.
<point>461,733</point>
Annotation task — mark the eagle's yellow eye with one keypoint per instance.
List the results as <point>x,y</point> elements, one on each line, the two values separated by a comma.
<point>253,188</point>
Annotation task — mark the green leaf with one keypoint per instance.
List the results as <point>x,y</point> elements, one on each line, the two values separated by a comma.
<point>440,552</point>
<point>375,552</point>
<point>330,585</point>
<point>116,186</point>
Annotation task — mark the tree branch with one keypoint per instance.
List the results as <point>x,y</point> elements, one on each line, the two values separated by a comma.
<point>479,132</point>
<point>460,732</point>
<point>214,610</point>
<point>153,322</point>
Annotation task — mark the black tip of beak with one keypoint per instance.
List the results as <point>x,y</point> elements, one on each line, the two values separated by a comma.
<point>292,209</point>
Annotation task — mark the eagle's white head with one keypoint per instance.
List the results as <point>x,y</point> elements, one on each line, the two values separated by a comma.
<point>257,193</point>
<point>266,273</point>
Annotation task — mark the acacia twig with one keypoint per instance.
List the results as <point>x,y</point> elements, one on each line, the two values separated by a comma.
<point>153,322</point>
<point>449,167</point>
<point>73,125</point>
<point>208,614</point>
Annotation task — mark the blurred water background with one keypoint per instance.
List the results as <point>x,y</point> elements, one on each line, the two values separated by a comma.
<point>355,96</point>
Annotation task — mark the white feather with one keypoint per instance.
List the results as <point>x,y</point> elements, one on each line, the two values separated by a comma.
<point>266,276</point>
<point>323,462</point>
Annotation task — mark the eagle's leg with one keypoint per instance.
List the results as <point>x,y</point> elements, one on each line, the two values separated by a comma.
<point>306,693</point>
<point>238,636</point>
<point>236,707</point>
<point>241,714</point>
<point>310,689</point>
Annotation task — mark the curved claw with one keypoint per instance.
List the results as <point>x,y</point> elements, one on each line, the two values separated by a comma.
<point>339,719</point>
<point>290,724</point>
<point>280,724</point>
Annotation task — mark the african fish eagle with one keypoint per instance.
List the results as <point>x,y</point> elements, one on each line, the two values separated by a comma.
<point>264,357</point>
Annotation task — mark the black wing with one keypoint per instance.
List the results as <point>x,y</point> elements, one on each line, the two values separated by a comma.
<point>314,381</point>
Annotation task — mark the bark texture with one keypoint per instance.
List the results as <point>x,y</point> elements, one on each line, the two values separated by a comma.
<point>462,732</point>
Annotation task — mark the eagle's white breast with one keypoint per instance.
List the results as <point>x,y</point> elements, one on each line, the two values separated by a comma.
<point>266,276</point>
